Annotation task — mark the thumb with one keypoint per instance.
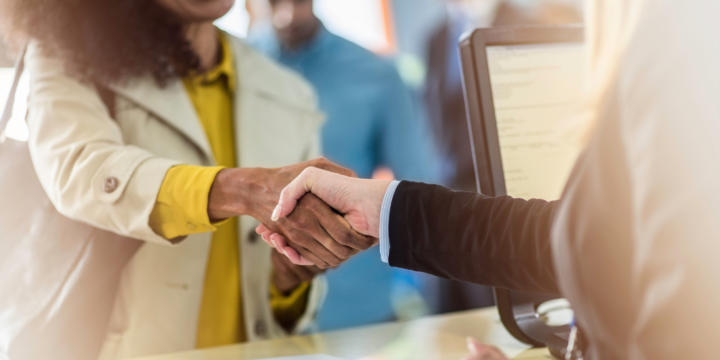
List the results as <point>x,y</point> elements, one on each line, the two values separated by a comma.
<point>294,191</point>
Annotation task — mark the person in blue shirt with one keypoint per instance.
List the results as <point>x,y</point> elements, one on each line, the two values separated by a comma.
<point>372,122</point>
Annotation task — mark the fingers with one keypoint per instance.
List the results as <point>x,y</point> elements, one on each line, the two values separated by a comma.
<point>293,192</point>
<point>325,164</point>
<point>265,234</point>
<point>341,231</point>
<point>291,253</point>
<point>279,242</point>
<point>333,231</point>
<point>309,247</point>
<point>318,256</point>
<point>309,238</point>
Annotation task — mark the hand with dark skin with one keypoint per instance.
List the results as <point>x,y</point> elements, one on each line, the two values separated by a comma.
<point>358,200</point>
<point>314,231</point>
<point>287,276</point>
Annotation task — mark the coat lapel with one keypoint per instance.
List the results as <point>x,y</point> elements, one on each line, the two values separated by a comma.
<point>271,130</point>
<point>171,104</point>
<point>274,127</point>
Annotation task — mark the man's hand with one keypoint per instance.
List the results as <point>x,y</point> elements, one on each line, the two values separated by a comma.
<point>245,191</point>
<point>287,276</point>
<point>358,200</point>
<point>316,232</point>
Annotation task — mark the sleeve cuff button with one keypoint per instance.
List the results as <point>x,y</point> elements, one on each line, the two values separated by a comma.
<point>110,184</point>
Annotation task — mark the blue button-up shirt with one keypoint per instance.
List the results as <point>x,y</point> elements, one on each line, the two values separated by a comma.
<point>372,121</point>
<point>371,117</point>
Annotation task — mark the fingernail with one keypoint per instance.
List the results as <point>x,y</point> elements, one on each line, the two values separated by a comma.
<point>276,213</point>
<point>273,242</point>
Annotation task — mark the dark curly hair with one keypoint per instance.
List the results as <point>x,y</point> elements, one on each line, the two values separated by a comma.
<point>106,41</point>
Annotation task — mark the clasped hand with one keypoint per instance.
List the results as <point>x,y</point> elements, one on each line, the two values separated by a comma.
<point>359,201</point>
<point>319,235</point>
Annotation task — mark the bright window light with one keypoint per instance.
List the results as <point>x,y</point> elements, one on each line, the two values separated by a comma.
<point>16,129</point>
<point>360,21</point>
<point>236,21</point>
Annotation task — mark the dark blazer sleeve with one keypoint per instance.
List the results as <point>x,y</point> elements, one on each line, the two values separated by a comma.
<point>496,241</point>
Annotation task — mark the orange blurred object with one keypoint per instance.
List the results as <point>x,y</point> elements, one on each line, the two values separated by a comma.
<point>383,173</point>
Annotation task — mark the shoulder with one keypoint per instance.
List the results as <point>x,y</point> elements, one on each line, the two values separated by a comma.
<point>260,73</point>
<point>373,68</point>
<point>352,52</point>
<point>38,62</point>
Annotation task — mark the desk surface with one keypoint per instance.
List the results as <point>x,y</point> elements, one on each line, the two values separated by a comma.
<point>432,338</point>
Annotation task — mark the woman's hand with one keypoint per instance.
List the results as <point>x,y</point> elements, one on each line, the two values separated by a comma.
<point>480,351</point>
<point>359,201</point>
<point>317,233</point>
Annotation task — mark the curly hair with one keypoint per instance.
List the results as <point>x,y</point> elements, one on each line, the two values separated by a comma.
<point>107,41</point>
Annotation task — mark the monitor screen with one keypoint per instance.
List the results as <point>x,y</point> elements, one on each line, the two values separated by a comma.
<point>536,88</point>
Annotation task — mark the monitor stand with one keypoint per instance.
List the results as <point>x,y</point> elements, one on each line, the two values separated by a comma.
<point>518,313</point>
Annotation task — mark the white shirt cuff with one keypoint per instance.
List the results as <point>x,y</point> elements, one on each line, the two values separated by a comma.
<point>385,221</point>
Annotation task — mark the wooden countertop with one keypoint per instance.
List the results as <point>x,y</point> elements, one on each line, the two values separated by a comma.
<point>433,338</point>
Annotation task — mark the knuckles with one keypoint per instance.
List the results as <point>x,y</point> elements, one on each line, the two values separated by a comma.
<point>333,263</point>
<point>344,253</point>
<point>301,223</point>
<point>325,164</point>
<point>366,242</point>
<point>346,238</point>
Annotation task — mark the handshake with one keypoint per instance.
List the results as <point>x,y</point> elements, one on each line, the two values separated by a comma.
<point>315,213</point>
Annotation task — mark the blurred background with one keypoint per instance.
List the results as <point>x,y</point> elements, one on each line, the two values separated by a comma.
<point>418,38</point>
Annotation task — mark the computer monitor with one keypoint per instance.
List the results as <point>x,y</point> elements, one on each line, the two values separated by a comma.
<point>521,85</point>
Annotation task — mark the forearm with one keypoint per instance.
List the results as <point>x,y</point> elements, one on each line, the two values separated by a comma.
<point>501,241</point>
<point>193,199</point>
<point>243,191</point>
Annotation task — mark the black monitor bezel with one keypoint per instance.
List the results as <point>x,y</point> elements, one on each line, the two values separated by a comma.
<point>518,316</point>
<point>491,179</point>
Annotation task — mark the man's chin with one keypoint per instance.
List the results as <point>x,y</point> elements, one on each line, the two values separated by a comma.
<point>294,37</point>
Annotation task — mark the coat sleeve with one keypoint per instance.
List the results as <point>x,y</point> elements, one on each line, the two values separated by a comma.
<point>81,160</point>
<point>502,241</point>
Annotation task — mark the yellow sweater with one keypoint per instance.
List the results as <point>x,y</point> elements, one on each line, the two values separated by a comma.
<point>181,209</point>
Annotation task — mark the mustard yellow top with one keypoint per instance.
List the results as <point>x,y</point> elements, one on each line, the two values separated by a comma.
<point>181,210</point>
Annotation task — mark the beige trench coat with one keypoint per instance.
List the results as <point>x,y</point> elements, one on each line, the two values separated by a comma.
<point>76,148</point>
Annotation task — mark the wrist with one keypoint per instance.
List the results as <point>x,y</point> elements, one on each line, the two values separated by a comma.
<point>283,286</point>
<point>238,191</point>
<point>376,197</point>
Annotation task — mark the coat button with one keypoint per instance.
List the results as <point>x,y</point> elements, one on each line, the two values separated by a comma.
<point>260,328</point>
<point>111,184</point>
<point>253,236</point>
<point>191,226</point>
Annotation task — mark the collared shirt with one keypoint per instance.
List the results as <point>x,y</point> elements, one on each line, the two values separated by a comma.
<point>372,119</point>
<point>181,209</point>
